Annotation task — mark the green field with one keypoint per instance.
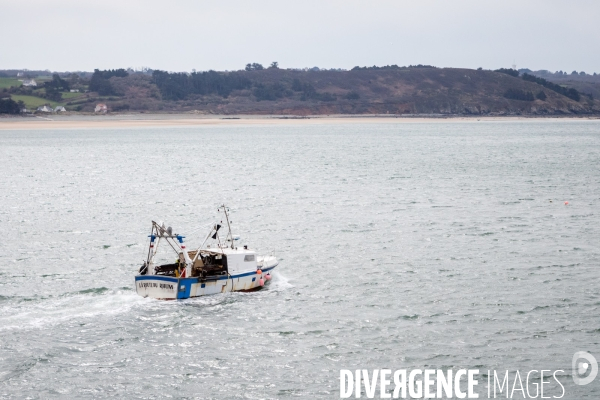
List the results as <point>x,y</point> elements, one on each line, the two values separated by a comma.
<point>69,95</point>
<point>8,82</point>
<point>32,102</point>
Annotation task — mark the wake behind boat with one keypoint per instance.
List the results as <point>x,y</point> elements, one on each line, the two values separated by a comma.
<point>216,266</point>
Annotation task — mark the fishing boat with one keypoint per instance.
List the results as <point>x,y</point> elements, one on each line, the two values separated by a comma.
<point>218,265</point>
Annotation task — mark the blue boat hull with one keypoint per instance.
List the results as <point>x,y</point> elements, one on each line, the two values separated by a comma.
<point>171,288</point>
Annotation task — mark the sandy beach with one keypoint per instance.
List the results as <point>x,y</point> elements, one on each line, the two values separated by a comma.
<point>183,120</point>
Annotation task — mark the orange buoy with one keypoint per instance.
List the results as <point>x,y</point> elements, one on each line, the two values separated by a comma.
<point>258,271</point>
<point>566,203</point>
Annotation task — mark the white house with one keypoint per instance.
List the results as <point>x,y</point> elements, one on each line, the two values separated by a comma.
<point>74,90</point>
<point>46,109</point>
<point>29,82</point>
<point>59,109</point>
<point>101,108</point>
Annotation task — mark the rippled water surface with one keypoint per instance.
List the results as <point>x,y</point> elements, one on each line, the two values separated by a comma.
<point>402,246</point>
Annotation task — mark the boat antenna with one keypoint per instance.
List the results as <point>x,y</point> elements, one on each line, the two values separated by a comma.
<point>229,235</point>
<point>150,248</point>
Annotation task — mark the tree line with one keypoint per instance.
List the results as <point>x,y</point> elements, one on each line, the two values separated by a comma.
<point>100,80</point>
<point>393,66</point>
<point>518,94</point>
<point>179,85</point>
<point>569,92</point>
<point>259,67</point>
<point>508,71</point>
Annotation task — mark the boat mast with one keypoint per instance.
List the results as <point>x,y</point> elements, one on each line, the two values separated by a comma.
<point>229,234</point>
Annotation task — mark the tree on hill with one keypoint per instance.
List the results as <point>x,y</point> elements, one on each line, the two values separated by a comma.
<point>296,85</point>
<point>178,86</point>
<point>570,93</point>
<point>74,80</point>
<point>393,66</point>
<point>53,94</point>
<point>374,67</point>
<point>9,106</point>
<point>508,71</point>
<point>518,94</point>
<point>100,85</point>
<point>100,80</point>
<point>269,92</point>
<point>541,95</point>
<point>274,65</point>
<point>58,83</point>
<point>308,90</point>
<point>54,88</point>
<point>254,67</point>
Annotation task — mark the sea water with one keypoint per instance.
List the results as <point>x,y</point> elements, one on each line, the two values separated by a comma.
<point>401,246</point>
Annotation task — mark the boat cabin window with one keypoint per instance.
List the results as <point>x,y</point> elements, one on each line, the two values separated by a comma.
<point>249,257</point>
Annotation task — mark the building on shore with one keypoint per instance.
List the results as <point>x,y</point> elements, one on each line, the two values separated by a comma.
<point>45,108</point>
<point>101,108</point>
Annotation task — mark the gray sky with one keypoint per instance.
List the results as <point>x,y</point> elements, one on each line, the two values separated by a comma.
<point>181,35</point>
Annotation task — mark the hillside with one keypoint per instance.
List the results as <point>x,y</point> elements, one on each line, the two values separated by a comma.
<point>584,83</point>
<point>385,90</point>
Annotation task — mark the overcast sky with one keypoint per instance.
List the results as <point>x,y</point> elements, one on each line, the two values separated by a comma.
<point>181,35</point>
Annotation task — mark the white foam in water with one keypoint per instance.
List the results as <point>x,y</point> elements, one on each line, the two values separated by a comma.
<point>279,282</point>
<point>54,311</point>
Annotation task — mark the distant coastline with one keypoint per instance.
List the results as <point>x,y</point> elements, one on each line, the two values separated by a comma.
<point>116,121</point>
<point>273,91</point>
